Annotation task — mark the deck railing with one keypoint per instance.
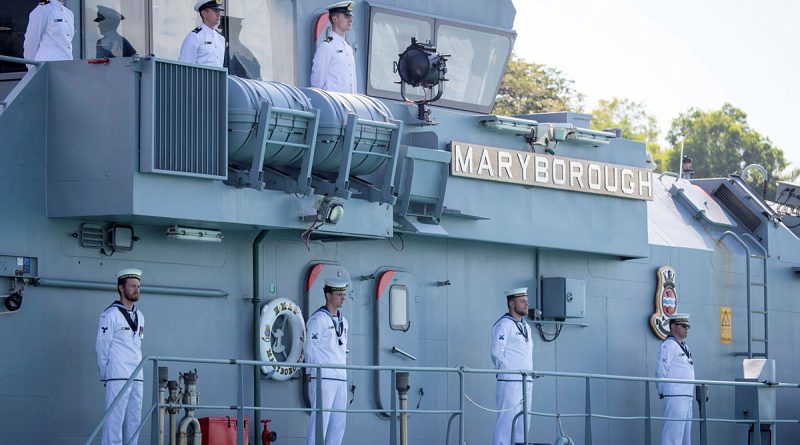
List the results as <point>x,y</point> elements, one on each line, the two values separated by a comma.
<point>461,371</point>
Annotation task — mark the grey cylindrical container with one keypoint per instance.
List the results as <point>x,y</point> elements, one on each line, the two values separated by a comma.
<point>244,101</point>
<point>334,108</point>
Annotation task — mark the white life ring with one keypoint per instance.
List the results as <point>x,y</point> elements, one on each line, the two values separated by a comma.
<point>281,307</point>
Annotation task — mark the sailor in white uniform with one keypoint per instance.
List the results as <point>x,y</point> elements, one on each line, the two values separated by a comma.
<point>334,66</point>
<point>512,348</point>
<point>51,27</point>
<point>205,45</point>
<point>675,362</point>
<point>119,351</point>
<point>326,343</point>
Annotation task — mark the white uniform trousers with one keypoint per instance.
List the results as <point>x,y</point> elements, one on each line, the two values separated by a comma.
<point>508,396</point>
<point>127,413</point>
<point>677,432</point>
<point>334,396</point>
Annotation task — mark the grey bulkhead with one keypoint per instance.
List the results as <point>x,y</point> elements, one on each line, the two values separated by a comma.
<point>61,165</point>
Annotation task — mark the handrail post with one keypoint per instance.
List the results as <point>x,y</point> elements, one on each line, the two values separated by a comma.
<point>155,426</point>
<point>588,428</point>
<point>320,439</point>
<point>240,406</point>
<point>757,431</point>
<point>461,407</point>
<point>648,423</point>
<point>524,409</point>
<point>703,414</point>
<point>393,424</point>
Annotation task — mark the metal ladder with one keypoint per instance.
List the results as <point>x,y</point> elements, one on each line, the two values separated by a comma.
<point>764,309</point>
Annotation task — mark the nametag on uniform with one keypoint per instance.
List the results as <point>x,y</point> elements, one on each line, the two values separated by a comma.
<point>58,20</point>
<point>339,51</point>
<point>208,43</point>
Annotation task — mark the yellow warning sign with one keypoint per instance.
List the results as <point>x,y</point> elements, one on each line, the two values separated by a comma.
<point>725,325</point>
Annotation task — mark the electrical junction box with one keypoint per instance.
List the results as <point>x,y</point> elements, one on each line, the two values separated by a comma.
<point>563,298</point>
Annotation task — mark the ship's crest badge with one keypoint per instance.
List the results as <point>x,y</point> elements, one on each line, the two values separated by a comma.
<point>666,301</point>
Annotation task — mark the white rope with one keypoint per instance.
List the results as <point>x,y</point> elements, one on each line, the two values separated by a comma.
<point>492,410</point>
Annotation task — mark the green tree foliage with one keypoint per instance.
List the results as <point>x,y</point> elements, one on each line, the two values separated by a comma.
<point>720,142</point>
<point>632,118</point>
<point>534,88</point>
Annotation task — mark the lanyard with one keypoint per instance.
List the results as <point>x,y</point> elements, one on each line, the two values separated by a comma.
<point>684,349</point>
<point>132,322</point>
<point>520,326</point>
<point>338,325</point>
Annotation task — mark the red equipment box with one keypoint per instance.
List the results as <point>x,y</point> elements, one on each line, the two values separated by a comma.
<point>222,430</point>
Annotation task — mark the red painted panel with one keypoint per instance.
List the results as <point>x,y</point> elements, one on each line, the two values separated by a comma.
<point>313,273</point>
<point>383,282</point>
<point>320,25</point>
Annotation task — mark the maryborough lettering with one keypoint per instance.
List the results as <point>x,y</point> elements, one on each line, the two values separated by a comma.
<point>518,167</point>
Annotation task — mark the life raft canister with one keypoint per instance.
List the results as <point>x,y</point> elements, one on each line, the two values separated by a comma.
<point>273,341</point>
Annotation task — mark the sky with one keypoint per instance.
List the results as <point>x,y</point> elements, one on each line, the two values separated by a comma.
<point>674,55</point>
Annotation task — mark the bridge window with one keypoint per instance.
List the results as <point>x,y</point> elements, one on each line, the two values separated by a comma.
<point>390,35</point>
<point>477,63</point>
<point>398,308</point>
<point>475,68</point>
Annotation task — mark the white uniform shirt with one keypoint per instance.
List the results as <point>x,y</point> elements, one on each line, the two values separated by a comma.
<point>51,27</point>
<point>334,66</point>
<point>118,345</point>
<point>675,363</point>
<point>512,346</point>
<point>203,45</point>
<point>326,343</point>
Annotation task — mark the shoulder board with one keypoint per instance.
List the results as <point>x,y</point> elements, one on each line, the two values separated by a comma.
<point>329,39</point>
<point>44,2</point>
<point>197,29</point>
<point>219,32</point>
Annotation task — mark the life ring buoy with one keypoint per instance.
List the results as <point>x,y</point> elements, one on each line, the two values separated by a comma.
<point>273,341</point>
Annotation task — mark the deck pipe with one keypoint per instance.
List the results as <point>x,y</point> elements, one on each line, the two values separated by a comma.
<point>256,300</point>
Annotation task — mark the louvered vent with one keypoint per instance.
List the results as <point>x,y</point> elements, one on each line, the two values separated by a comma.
<point>92,236</point>
<point>184,120</point>
<point>728,198</point>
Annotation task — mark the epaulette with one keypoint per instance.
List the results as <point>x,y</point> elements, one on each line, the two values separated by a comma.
<point>196,30</point>
<point>44,2</point>
<point>219,32</point>
<point>329,39</point>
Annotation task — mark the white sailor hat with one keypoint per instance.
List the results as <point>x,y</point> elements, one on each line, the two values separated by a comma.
<point>518,292</point>
<point>335,285</point>
<point>345,8</point>
<point>129,273</point>
<point>200,5</point>
<point>679,318</point>
<point>106,13</point>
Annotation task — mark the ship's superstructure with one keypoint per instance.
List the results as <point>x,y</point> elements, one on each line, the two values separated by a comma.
<point>235,193</point>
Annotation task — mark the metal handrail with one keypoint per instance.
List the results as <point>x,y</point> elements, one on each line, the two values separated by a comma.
<point>20,60</point>
<point>749,285</point>
<point>461,371</point>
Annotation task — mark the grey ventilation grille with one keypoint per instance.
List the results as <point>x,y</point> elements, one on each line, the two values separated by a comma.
<point>184,120</point>
<point>92,236</point>
<point>728,198</point>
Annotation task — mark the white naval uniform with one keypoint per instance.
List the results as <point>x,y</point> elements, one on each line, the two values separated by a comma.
<point>675,362</point>
<point>51,27</point>
<point>119,352</point>
<point>325,346</point>
<point>334,66</point>
<point>203,45</point>
<point>512,348</point>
